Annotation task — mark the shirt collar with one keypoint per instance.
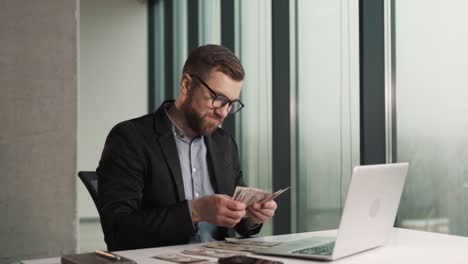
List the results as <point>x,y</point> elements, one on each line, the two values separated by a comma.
<point>175,129</point>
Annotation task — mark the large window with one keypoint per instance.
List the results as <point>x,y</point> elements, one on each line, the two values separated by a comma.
<point>321,122</point>
<point>431,61</point>
<point>327,97</point>
<point>255,120</point>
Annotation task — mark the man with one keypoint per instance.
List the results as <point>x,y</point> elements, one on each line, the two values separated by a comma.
<point>166,178</point>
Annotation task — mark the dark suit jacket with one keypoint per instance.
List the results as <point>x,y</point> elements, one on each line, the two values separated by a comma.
<point>140,188</point>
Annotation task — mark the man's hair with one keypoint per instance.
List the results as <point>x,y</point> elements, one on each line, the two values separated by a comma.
<point>208,57</point>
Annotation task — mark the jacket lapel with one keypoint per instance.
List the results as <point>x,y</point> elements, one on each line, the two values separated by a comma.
<point>215,162</point>
<point>168,145</point>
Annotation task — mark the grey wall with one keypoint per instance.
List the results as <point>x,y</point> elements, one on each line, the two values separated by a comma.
<point>38,101</point>
<point>113,78</point>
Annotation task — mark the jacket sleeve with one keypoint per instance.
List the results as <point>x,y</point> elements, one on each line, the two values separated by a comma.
<point>242,228</point>
<point>125,223</point>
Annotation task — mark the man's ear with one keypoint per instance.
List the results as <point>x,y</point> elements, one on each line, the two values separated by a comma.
<point>185,83</point>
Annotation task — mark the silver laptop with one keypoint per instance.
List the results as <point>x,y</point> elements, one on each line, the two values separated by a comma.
<point>368,215</point>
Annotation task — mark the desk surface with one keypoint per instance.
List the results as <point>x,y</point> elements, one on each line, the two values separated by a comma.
<point>404,246</point>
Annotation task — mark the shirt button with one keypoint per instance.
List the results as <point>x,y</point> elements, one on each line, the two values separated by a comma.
<point>194,169</point>
<point>197,194</point>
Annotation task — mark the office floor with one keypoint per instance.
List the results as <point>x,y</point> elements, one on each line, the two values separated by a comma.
<point>90,236</point>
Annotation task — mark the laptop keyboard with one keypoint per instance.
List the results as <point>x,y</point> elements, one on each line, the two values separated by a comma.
<point>323,250</point>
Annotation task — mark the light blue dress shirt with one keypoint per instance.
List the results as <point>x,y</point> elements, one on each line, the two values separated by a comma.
<point>195,174</point>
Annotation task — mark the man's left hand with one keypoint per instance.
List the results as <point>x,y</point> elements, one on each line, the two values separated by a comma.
<point>259,213</point>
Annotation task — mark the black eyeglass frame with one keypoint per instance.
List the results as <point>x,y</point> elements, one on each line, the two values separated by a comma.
<point>220,97</point>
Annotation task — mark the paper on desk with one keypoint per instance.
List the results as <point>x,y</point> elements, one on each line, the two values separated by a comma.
<point>178,258</point>
<point>231,246</point>
<point>214,253</point>
<point>251,242</point>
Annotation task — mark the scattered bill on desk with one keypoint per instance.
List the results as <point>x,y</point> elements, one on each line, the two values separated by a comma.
<point>178,258</point>
<point>231,246</point>
<point>249,195</point>
<point>245,242</point>
<point>214,253</point>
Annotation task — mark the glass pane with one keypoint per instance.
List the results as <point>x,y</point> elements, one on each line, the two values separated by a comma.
<point>255,118</point>
<point>327,109</point>
<point>209,21</point>
<point>180,42</point>
<point>113,87</point>
<point>431,80</point>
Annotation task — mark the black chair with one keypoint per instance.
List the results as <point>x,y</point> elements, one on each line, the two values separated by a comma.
<point>90,180</point>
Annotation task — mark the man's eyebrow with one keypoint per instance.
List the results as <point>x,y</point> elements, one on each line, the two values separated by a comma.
<point>226,96</point>
<point>232,100</point>
<point>219,93</point>
<point>203,82</point>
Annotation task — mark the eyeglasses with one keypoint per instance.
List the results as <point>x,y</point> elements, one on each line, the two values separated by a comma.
<point>220,101</point>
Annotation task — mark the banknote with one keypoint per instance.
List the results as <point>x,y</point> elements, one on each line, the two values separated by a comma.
<point>274,195</point>
<point>178,258</point>
<point>231,246</point>
<point>249,195</point>
<point>245,242</point>
<point>210,252</point>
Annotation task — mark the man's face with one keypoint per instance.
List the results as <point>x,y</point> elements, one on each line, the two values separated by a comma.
<point>202,117</point>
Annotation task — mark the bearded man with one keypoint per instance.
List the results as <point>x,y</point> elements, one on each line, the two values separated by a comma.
<point>167,178</point>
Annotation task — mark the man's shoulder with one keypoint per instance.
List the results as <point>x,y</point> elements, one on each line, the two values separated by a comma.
<point>140,124</point>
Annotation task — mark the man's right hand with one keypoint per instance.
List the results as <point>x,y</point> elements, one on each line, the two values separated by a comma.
<point>218,209</point>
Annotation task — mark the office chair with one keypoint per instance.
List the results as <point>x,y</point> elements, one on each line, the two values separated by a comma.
<point>90,180</point>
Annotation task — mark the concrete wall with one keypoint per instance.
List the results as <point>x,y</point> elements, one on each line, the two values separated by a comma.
<point>113,78</point>
<point>38,117</point>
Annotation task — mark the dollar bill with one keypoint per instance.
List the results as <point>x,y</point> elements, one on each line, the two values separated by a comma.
<point>231,246</point>
<point>210,252</point>
<point>274,195</point>
<point>249,195</point>
<point>251,242</point>
<point>178,258</point>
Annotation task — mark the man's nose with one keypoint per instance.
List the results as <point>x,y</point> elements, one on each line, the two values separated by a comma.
<point>223,111</point>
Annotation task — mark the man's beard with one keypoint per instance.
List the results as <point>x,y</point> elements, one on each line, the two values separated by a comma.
<point>195,122</point>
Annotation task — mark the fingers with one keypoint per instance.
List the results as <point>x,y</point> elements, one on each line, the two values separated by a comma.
<point>259,213</point>
<point>235,205</point>
<point>256,218</point>
<point>237,215</point>
<point>263,216</point>
<point>229,218</point>
<point>269,205</point>
<point>226,201</point>
<point>262,212</point>
<point>228,212</point>
<point>227,222</point>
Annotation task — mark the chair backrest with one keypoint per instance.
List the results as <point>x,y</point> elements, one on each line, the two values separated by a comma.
<point>90,180</point>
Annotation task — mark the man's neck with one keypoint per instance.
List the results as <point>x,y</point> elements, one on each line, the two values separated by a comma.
<point>180,120</point>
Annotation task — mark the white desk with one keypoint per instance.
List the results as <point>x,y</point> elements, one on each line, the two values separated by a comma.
<point>405,246</point>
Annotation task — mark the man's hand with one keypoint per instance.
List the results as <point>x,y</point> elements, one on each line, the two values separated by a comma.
<point>218,209</point>
<point>259,213</point>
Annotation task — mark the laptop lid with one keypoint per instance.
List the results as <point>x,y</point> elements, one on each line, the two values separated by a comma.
<point>371,206</point>
<point>368,215</point>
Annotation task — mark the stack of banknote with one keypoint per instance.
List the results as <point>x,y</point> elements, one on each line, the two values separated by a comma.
<point>217,249</point>
<point>232,246</point>
<point>249,195</point>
